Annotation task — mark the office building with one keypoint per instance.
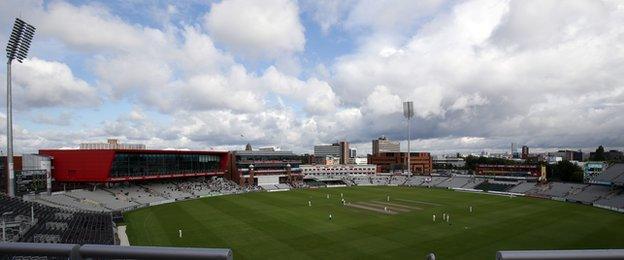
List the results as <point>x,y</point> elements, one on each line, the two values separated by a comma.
<point>384,145</point>
<point>420,163</point>
<point>525,152</point>
<point>339,149</point>
<point>264,167</point>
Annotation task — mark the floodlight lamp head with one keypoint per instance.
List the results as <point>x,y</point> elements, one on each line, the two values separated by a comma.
<point>408,109</point>
<point>19,41</point>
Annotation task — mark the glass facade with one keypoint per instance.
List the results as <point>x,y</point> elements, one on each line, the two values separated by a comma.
<point>267,161</point>
<point>133,164</point>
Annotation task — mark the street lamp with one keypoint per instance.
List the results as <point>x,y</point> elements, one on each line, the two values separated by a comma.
<point>17,48</point>
<point>408,112</point>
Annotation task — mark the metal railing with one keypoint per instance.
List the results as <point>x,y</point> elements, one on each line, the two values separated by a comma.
<point>593,254</point>
<point>78,252</point>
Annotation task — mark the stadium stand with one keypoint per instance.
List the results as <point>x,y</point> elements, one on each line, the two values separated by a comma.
<point>613,174</point>
<point>491,185</point>
<point>589,194</point>
<point>473,183</point>
<point>397,180</point>
<point>379,180</point>
<point>126,197</point>
<point>557,189</point>
<point>522,187</point>
<point>436,181</point>
<point>455,181</point>
<point>614,199</point>
<point>54,225</point>
<point>276,187</point>
<point>415,181</point>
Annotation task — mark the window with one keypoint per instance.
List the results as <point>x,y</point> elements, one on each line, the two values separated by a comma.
<point>159,164</point>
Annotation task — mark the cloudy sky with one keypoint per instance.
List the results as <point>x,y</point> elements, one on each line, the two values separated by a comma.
<point>220,74</point>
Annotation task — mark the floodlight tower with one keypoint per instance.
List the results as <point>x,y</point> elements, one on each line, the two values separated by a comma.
<point>408,112</point>
<point>17,48</point>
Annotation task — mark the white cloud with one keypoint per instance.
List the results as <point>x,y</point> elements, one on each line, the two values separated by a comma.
<point>92,27</point>
<point>481,73</point>
<point>235,91</point>
<point>317,96</point>
<point>480,68</point>
<point>257,29</point>
<point>40,83</point>
<point>389,15</point>
<point>381,102</point>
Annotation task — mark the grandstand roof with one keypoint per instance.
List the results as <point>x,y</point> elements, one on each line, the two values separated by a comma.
<point>240,152</point>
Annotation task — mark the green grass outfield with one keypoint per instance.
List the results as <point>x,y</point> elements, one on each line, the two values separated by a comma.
<point>282,225</point>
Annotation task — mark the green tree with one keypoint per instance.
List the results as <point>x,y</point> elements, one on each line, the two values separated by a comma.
<point>566,171</point>
<point>599,154</point>
<point>473,161</point>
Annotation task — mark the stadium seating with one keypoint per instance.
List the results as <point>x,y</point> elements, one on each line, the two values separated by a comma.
<point>522,187</point>
<point>589,194</point>
<point>127,197</point>
<point>379,180</point>
<point>613,199</point>
<point>436,181</point>
<point>59,226</point>
<point>397,180</point>
<point>454,182</point>
<point>494,186</point>
<point>67,201</point>
<point>557,189</point>
<point>415,181</point>
<point>613,174</point>
<point>275,187</point>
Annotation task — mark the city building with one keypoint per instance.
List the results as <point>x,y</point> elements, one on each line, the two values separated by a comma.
<point>553,159</point>
<point>611,155</point>
<point>339,149</point>
<point>111,144</point>
<point>525,152</point>
<point>327,160</point>
<point>265,167</point>
<point>117,165</point>
<point>384,145</point>
<point>352,152</point>
<point>519,170</point>
<point>514,152</point>
<point>315,170</point>
<point>420,162</point>
<point>569,155</point>
<point>448,162</point>
<point>344,152</point>
<point>325,150</point>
